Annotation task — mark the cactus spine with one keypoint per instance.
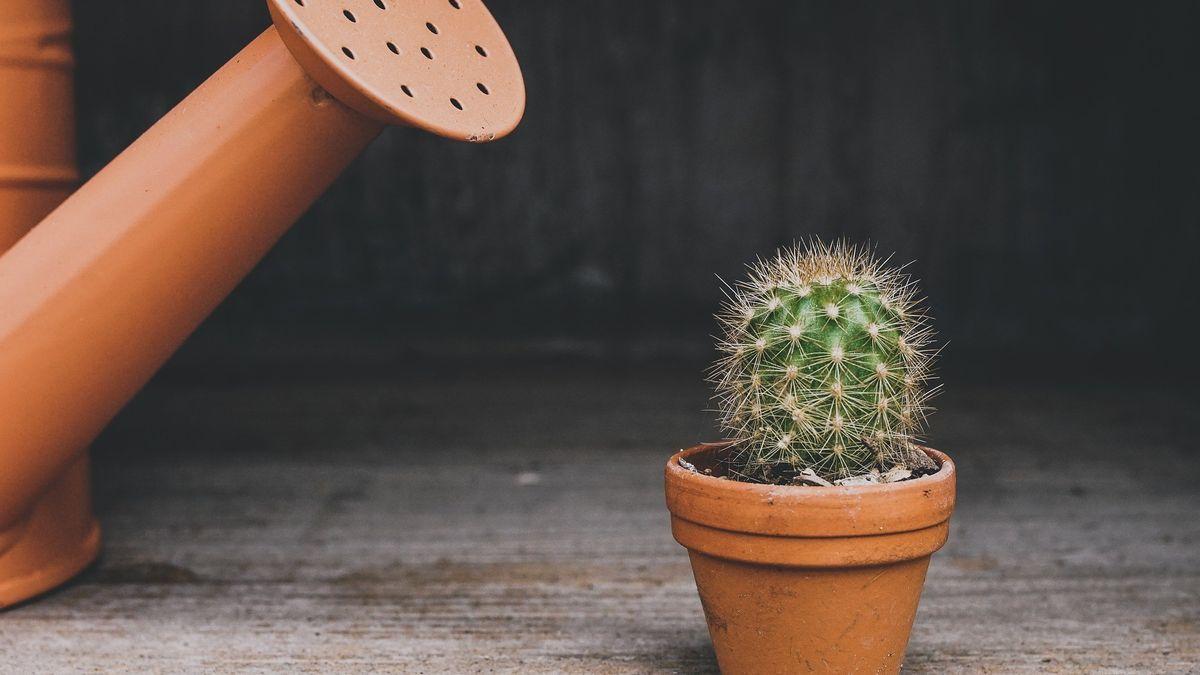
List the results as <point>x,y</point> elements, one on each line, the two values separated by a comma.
<point>824,363</point>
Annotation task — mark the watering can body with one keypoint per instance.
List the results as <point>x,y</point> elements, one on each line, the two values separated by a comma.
<point>100,293</point>
<point>57,536</point>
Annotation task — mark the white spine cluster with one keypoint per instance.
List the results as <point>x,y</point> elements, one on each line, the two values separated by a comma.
<point>825,362</point>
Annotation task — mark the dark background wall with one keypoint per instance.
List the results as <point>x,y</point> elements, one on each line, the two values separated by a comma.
<point>1037,160</point>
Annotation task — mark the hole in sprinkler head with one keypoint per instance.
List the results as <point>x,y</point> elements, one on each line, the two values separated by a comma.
<point>428,54</point>
<point>393,48</point>
<point>455,5</point>
<point>481,50</point>
<point>347,52</point>
<point>380,5</point>
<point>454,102</point>
<point>349,16</point>
<point>432,28</point>
<point>407,92</point>
<point>482,88</point>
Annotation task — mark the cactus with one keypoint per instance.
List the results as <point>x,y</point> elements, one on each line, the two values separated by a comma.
<point>825,364</point>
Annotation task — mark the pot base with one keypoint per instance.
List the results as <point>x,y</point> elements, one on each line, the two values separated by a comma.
<point>769,619</point>
<point>59,539</point>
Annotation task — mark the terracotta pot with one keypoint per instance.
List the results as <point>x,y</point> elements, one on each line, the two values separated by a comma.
<point>807,579</point>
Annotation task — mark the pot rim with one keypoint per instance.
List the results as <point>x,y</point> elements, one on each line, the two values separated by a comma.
<point>803,511</point>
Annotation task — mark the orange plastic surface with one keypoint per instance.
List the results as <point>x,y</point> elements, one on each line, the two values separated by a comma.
<point>101,292</point>
<point>37,115</point>
<point>439,65</point>
<point>59,536</point>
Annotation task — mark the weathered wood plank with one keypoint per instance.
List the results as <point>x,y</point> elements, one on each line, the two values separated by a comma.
<point>445,519</point>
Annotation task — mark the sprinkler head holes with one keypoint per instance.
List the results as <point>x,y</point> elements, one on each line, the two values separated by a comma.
<point>439,65</point>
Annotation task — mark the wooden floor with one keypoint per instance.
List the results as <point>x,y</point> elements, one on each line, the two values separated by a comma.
<point>463,519</point>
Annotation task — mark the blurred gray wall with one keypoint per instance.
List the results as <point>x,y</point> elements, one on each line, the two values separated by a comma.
<point>1037,160</point>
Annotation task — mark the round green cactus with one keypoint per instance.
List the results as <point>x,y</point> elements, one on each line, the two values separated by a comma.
<point>825,364</point>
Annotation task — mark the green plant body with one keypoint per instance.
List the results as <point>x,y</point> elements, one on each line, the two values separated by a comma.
<point>825,364</point>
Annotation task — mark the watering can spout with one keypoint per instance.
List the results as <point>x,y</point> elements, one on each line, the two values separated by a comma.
<point>99,294</point>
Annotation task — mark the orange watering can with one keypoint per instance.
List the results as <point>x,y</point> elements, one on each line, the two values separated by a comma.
<point>103,290</point>
<point>37,114</point>
<point>37,172</point>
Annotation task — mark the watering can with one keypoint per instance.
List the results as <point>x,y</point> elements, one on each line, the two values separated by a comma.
<point>106,287</point>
